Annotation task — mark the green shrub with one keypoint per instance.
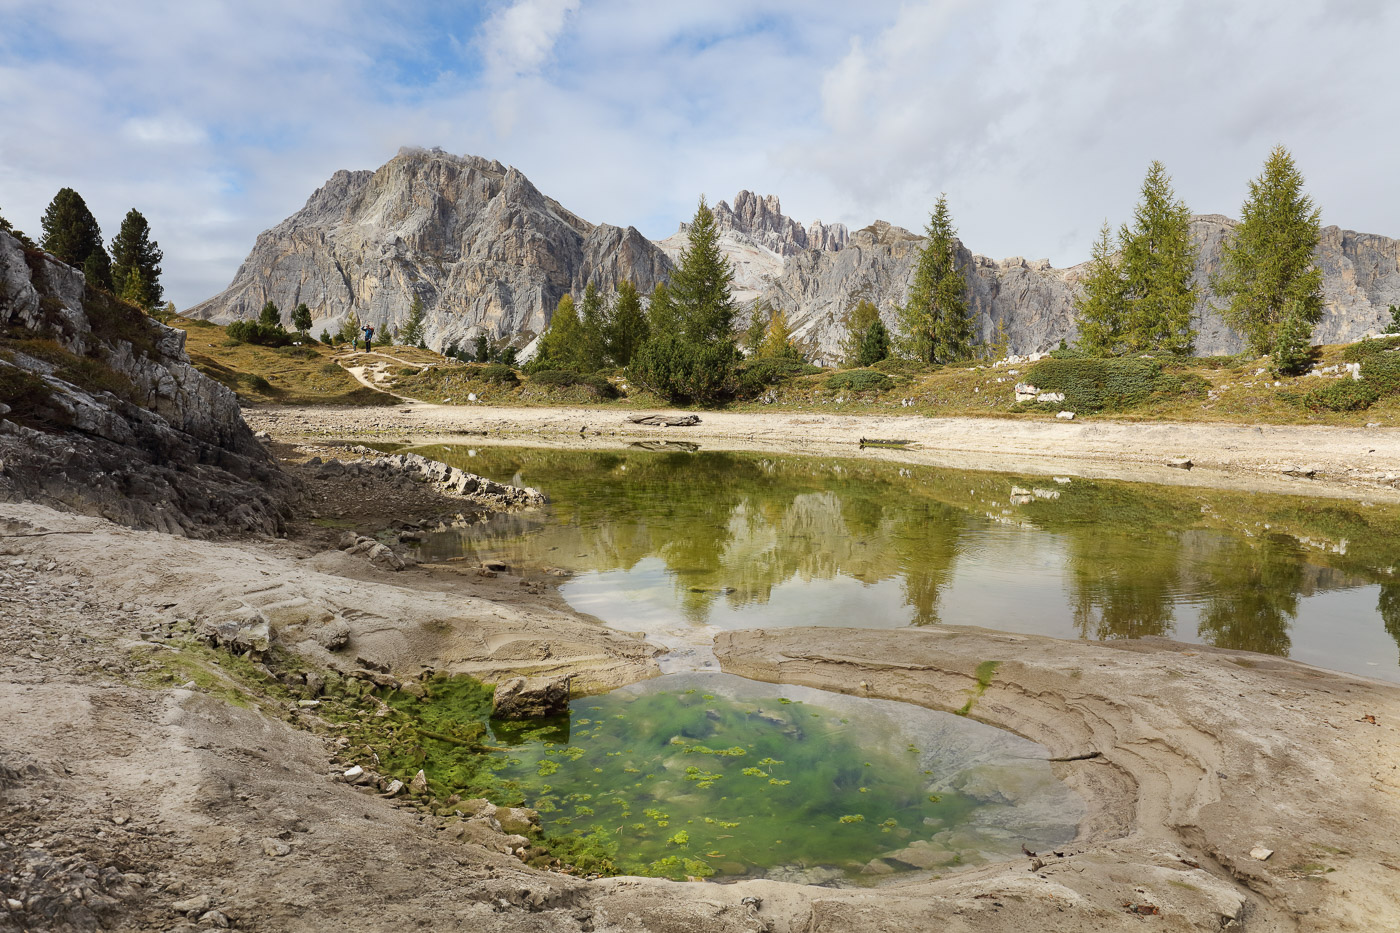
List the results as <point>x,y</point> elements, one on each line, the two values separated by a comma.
<point>1342,395</point>
<point>260,334</point>
<point>564,378</point>
<point>1366,349</point>
<point>1091,384</point>
<point>299,353</point>
<point>752,376</point>
<point>500,373</point>
<point>859,380</point>
<point>681,371</point>
<point>1382,371</point>
<point>330,368</point>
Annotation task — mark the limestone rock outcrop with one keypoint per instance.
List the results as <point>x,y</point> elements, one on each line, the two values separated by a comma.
<point>758,238</point>
<point>103,413</point>
<point>476,241</point>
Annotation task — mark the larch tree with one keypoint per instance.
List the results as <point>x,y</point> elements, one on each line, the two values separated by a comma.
<point>592,350</point>
<point>627,328</point>
<point>935,320</point>
<point>777,341</point>
<point>701,287</point>
<point>412,333</point>
<point>134,252</point>
<point>1268,275</point>
<point>559,343</point>
<point>1102,307</point>
<point>858,322</point>
<point>1159,267</point>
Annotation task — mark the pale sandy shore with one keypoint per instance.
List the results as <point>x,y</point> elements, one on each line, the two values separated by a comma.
<point>1341,461</point>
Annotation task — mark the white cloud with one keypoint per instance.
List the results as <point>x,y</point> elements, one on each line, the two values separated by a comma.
<point>164,131</point>
<point>517,40</point>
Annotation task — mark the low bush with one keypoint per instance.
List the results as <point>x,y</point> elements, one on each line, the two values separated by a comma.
<point>1364,350</point>
<point>859,380</point>
<point>1382,370</point>
<point>502,374</point>
<point>1092,384</point>
<point>564,378</point>
<point>299,353</point>
<point>751,377</point>
<point>681,371</point>
<point>1342,395</point>
<point>260,334</point>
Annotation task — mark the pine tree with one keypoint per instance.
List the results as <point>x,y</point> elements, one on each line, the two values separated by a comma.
<point>481,348</point>
<point>97,268</point>
<point>700,287</point>
<point>133,250</point>
<point>662,317</point>
<point>301,318</point>
<point>628,329</point>
<point>1159,263</point>
<point>591,352</point>
<point>71,232</point>
<point>937,327</point>
<point>270,316</point>
<point>1103,305</point>
<point>1267,269</point>
<point>874,344</point>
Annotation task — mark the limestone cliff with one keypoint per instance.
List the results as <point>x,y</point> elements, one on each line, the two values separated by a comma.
<point>102,413</point>
<point>758,238</point>
<point>1035,301</point>
<point>477,242</point>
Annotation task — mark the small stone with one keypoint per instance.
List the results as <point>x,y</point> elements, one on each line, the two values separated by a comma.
<point>1066,416</point>
<point>395,787</point>
<point>275,847</point>
<point>13,904</point>
<point>353,772</point>
<point>419,784</point>
<point>1180,463</point>
<point>197,904</point>
<point>215,918</point>
<point>1261,853</point>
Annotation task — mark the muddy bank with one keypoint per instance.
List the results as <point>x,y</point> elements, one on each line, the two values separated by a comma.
<point>1309,460</point>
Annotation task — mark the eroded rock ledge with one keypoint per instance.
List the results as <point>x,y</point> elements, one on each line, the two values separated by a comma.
<point>1188,757</point>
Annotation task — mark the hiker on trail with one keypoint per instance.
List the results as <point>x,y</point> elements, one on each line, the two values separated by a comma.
<point>369,336</point>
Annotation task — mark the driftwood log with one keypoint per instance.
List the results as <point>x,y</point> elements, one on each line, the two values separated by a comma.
<point>664,421</point>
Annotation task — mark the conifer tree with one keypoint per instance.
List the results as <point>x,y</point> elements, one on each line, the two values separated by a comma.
<point>481,349</point>
<point>759,317</point>
<point>701,285</point>
<point>412,334</point>
<point>628,328</point>
<point>591,352</point>
<point>560,340</point>
<point>1103,305</point>
<point>133,250</point>
<point>301,318</point>
<point>662,317</point>
<point>1159,263</point>
<point>133,288</point>
<point>935,320</point>
<point>97,268</point>
<point>874,344</point>
<point>71,232</point>
<point>777,342</point>
<point>270,316</point>
<point>1267,269</point>
<point>858,322</point>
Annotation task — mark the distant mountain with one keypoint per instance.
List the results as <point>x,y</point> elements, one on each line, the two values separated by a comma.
<point>487,252</point>
<point>482,247</point>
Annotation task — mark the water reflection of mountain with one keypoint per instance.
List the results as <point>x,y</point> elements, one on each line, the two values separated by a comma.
<point>1137,560</point>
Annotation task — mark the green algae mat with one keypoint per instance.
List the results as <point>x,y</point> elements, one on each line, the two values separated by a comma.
<point>715,776</point>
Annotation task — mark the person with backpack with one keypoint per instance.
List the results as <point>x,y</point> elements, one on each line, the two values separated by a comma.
<point>369,336</point>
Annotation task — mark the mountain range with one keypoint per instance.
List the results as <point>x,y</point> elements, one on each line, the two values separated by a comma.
<point>487,252</point>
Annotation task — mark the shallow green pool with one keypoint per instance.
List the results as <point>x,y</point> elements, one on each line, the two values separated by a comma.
<point>709,775</point>
<point>678,545</point>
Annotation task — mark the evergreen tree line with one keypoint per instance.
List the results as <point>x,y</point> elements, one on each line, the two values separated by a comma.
<point>128,267</point>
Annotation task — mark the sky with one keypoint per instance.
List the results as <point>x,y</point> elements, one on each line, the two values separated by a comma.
<point>1038,118</point>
